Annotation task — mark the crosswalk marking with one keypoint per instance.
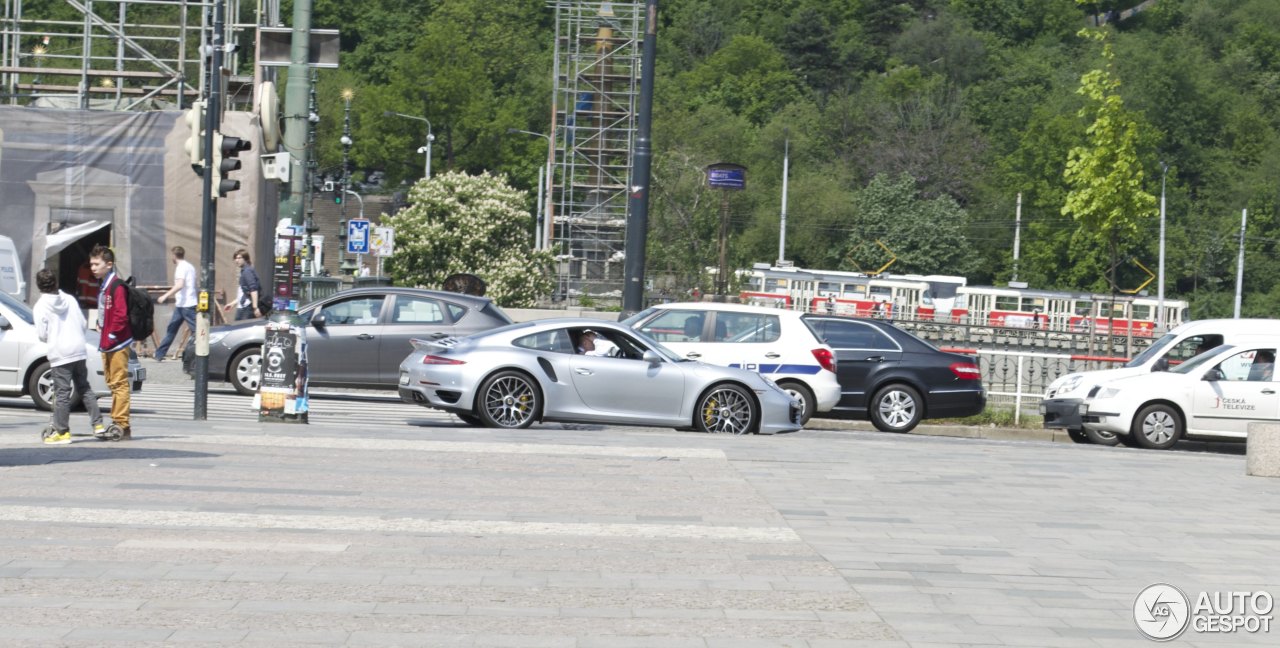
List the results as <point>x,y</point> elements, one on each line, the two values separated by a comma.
<point>176,402</point>
<point>384,524</point>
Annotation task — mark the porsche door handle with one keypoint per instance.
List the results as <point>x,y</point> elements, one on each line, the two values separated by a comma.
<point>693,354</point>
<point>773,354</point>
<point>583,372</point>
<point>364,336</point>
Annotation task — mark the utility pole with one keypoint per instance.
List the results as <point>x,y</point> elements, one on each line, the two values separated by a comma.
<point>1244,215</point>
<point>1017,235</point>
<point>1164,171</point>
<point>638,201</point>
<point>346,141</point>
<point>296,122</point>
<point>209,215</point>
<point>782,224</point>
<point>313,119</point>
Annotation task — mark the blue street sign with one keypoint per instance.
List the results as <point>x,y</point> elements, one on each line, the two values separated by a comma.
<point>357,236</point>
<point>727,176</point>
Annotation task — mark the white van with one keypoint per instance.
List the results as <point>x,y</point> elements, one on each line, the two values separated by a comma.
<point>1061,404</point>
<point>11,270</point>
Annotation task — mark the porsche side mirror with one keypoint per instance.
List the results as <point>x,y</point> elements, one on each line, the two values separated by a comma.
<point>652,357</point>
<point>1214,375</point>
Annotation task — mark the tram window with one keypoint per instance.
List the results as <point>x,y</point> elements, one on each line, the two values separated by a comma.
<point>1033,304</point>
<point>1007,302</point>
<point>1083,308</point>
<point>855,290</point>
<point>881,291</point>
<point>828,287</point>
<point>1116,310</point>
<point>773,285</point>
<point>1141,312</point>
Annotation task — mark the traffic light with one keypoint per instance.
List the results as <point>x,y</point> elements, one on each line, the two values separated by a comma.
<point>337,194</point>
<point>226,149</point>
<point>194,146</point>
<point>342,230</point>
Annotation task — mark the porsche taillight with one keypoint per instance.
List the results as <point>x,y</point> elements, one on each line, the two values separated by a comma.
<point>966,371</point>
<point>438,360</point>
<point>826,359</point>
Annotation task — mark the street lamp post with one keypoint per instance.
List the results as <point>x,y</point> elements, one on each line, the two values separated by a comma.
<point>1164,170</point>
<point>426,172</point>
<point>544,205</point>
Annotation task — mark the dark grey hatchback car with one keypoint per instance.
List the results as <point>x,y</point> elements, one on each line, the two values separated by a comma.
<point>355,338</point>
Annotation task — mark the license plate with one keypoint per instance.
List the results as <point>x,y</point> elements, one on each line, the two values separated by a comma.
<point>404,378</point>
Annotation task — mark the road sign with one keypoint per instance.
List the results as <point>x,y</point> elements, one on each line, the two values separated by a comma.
<point>358,236</point>
<point>383,243</point>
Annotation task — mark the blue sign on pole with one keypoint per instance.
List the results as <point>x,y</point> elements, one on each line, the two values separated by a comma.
<point>727,176</point>
<point>358,236</point>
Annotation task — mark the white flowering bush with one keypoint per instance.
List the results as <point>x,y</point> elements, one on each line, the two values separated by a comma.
<point>473,224</point>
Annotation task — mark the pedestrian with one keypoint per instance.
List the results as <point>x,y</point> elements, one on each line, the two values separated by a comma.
<point>184,300</point>
<point>247,294</point>
<point>60,325</point>
<point>117,336</point>
<point>87,286</point>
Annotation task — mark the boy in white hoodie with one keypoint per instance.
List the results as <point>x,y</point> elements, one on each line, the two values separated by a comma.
<point>60,324</point>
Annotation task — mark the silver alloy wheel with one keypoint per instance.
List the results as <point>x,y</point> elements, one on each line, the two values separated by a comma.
<point>44,385</point>
<point>897,408</point>
<point>249,371</point>
<point>726,411</point>
<point>510,401</point>
<point>1158,427</point>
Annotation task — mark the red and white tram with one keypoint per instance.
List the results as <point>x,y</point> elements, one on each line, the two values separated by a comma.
<point>945,298</point>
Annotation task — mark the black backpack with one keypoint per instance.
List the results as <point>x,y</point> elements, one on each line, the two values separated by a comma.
<point>141,310</point>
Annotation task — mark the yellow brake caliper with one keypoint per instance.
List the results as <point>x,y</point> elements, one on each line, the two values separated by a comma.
<point>709,411</point>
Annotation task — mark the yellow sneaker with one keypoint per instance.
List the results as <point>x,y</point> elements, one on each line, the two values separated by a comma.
<point>58,438</point>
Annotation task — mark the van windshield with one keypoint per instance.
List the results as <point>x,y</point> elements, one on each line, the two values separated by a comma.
<point>1154,351</point>
<point>20,309</point>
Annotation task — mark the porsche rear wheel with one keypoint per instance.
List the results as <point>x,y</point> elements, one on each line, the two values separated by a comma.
<point>510,400</point>
<point>726,409</point>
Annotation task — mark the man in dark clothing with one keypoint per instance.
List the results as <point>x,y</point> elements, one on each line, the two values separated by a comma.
<point>247,297</point>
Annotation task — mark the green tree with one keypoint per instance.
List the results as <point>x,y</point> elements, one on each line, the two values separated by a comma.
<point>926,235</point>
<point>1106,197</point>
<point>473,224</point>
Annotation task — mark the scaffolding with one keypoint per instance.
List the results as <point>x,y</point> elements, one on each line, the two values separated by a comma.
<point>597,77</point>
<point>123,54</point>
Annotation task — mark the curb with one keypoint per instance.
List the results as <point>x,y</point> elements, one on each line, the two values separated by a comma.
<point>959,431</point>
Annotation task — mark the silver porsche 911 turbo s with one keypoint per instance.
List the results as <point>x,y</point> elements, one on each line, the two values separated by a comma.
<point>588,371</point>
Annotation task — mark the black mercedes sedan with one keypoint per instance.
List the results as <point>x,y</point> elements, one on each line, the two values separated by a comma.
<point>894,378</point>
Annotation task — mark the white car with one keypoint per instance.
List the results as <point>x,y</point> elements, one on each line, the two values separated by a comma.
<point>24,370</point>
<point>775,343</point>
<point>1214,395</point>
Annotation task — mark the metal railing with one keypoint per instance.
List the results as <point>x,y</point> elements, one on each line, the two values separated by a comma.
<point>1020,378</point>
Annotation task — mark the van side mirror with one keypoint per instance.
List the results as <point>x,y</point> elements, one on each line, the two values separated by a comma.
<point>1214,375</point>
<point>4,323</point>
<point>1161,365</point>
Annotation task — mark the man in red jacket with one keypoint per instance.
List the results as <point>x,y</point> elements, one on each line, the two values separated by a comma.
<point>117,337</point>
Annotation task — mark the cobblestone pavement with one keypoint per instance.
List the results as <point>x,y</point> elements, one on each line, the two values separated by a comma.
<point>424,532</point>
